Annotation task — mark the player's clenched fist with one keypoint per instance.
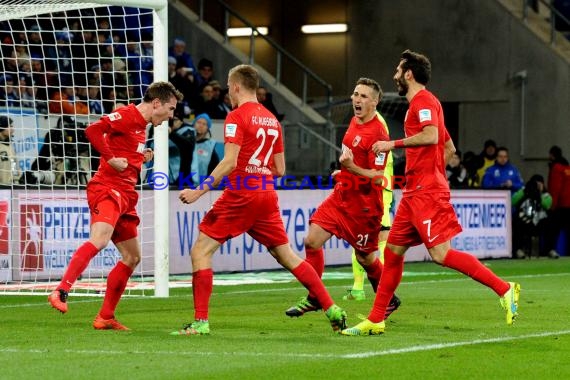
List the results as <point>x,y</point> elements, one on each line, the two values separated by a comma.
<point>148,155</point>
<point>189,196</point>
<point>382,146</point>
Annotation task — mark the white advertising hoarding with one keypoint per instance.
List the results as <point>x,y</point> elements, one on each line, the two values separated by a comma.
<point>484,215</point>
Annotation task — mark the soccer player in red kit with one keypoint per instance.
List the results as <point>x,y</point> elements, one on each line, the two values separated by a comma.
<point>354,208</point>
<point>253,155</point>
<point>120,138</point>
<point>425,214</point>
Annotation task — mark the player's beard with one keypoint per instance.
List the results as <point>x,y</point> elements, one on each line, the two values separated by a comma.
<point>402,86</point>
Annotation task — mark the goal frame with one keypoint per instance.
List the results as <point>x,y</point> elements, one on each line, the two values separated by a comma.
<point>160,73</point>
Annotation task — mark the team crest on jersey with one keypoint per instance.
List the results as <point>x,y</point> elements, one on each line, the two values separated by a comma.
<point>231,130</point>
<point>425,115</point>
<point>356,140</point>
<point>115,116</point>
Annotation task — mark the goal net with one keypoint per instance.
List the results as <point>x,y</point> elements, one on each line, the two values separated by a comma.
<point>62,65</point>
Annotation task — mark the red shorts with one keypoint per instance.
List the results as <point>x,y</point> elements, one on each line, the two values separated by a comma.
<point>254,212</point>
<point>114,207</point>
<point>360,230</point>
<point>424,218</point>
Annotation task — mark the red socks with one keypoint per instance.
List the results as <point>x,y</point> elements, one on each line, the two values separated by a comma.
<point>202,286</point>
<point>374,271</point>
<point>307,276</point>
<point>391,277</point>
<point>77,265</point>
<point>116,284</point>
<point>316,257</point>
<point>472,267</point>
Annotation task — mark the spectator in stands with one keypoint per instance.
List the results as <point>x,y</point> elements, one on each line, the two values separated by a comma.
<point>25,67</point>
<point>9,96</point>
<point>456,172</point>
<point>21,54</point>
<point>205,72</point>
<point>183,80</point>
<point>217,88</point>
<point>502,175</point>
<point>63,56</point>
<point>203,102</point>
<point>38,49</point>
<point>139,77</point>
<point>183,135</point>
<point>559,187</point>
<point>226,104</point>
<point>486,159</point>
<point>266,99</point>
<point>471,163</point>
<point>9,171</point>
<point>40,78</point>
<point>109,100</point>
<point>206,157</point>
<point>531,204</point>
<point>85,50</point>
<point>10,64</point>
<point>183,58</point>
<point>67,102</point>
<point>215,107</point>
<point>95,103</point>
<point>28,95</point>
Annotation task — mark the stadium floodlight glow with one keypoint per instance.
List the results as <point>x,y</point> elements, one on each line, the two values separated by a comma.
<point>324,28</point>
<point>246,32</point>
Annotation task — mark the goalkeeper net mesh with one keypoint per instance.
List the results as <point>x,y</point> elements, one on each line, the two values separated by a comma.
<point>62,65</point>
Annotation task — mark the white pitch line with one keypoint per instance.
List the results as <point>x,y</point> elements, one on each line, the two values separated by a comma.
<point>97,298</point>
<point>362,355</point>
<point>440,346</point>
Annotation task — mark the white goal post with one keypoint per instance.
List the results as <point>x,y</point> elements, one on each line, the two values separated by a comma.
<point>33,102</point>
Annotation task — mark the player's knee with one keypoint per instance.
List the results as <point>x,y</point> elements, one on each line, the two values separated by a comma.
<point>312,243</point>
<point>100,242</point>
<point>438,257</point>
<point>132,260</point>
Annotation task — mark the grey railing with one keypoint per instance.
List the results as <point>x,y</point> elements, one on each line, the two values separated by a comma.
<point>280,53</point>
<point>554,14</point>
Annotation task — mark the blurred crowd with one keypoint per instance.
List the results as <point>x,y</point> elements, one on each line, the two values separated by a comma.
<point>540,209</point>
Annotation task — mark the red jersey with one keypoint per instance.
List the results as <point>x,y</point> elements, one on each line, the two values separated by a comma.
<point>354,191</point>
<point>425,165</point>
<point>258,133</point>
<point>559,185</point>
<point>119,134</point>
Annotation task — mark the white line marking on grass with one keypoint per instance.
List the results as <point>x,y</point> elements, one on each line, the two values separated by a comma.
<point>362,355</point>
<point>97,297</point>
<point>440,346</point>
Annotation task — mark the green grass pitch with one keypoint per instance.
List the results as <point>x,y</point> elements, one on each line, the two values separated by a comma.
<point>448,327</point>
